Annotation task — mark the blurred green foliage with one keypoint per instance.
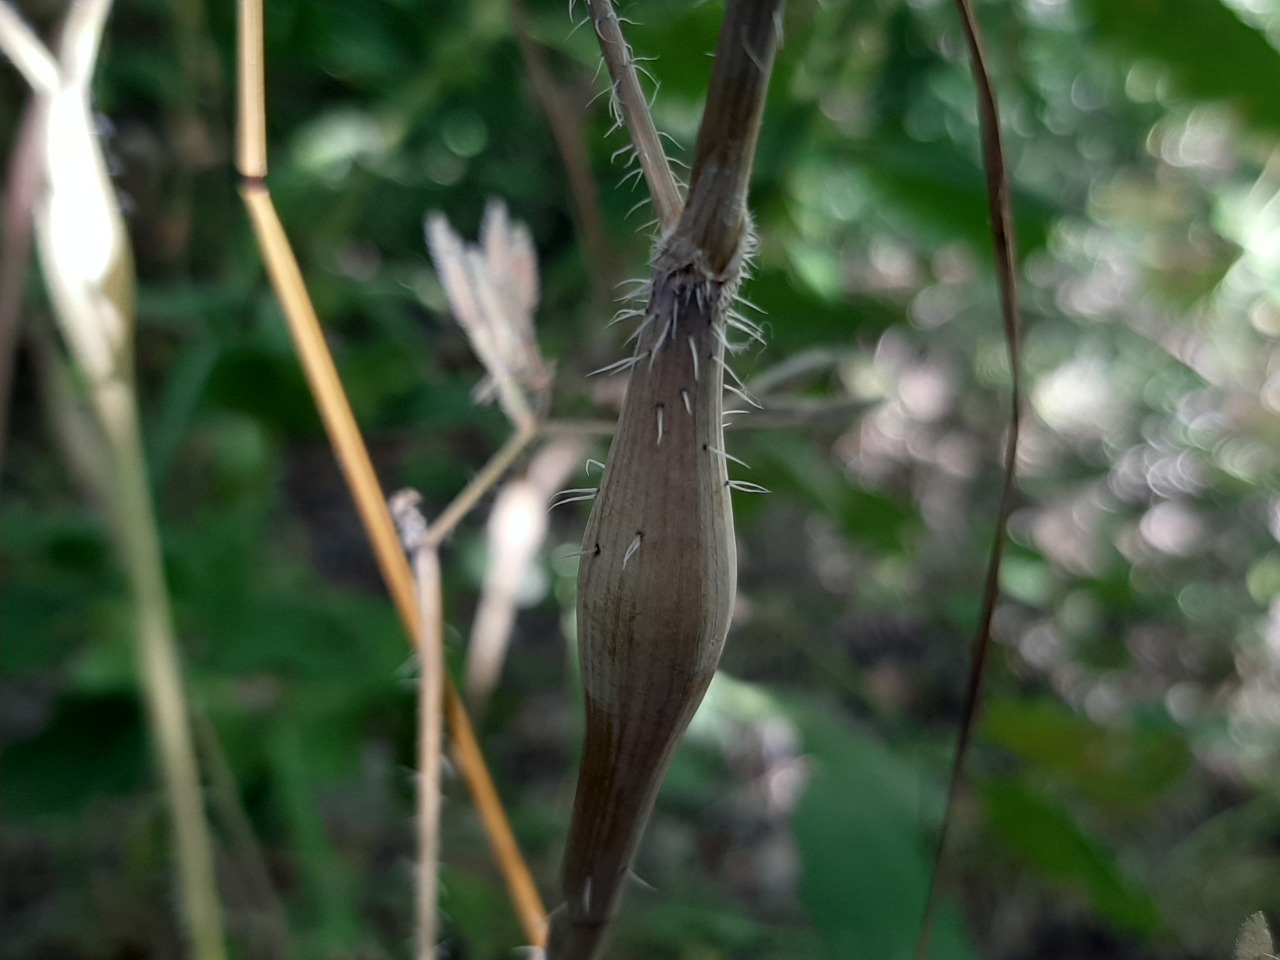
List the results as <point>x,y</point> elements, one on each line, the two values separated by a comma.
<point>1123,798</point>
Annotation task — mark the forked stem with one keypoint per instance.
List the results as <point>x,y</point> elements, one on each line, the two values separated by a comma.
<point>664,507</point>
<point>353,457</point>
<point>88,270</point>
<point>489,474</point>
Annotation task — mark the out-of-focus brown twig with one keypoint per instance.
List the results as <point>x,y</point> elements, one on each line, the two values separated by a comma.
<point>571,142</point>
<point>21,185</point>
<point>993,155</point>
<point>195,143</point>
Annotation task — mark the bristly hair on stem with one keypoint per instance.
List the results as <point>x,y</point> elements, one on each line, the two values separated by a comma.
<point>993,156</point>
<point>633,111</point>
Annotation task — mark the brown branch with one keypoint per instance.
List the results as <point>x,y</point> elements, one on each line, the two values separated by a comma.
<point>489,474</point>
<point>570,139</point>
<point>632,109</point>
<point>716,211</point>
<point>993,155</point>
<point>251,112</point>
<point>353,457</point>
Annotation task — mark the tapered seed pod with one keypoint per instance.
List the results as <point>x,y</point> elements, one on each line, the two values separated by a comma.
<point>655,588</point>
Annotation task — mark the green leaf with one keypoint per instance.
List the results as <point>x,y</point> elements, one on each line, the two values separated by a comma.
<point>477,912</point>
<point>93,747</point>
<point>864,829</point>
<point>325,876</point>
<point>1112,768</point>
<point>866,516</point>
<point>1212,54</point>
<point>864,847</point>
<point>942,192</point>
<point>1042,831</point>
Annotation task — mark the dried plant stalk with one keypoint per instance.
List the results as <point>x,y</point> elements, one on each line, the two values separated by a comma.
<point>405,508</point>
<point>353,456</point>
<point>344,435</point>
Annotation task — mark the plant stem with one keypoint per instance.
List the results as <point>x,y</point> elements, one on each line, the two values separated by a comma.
<point>632,109</point>
<point>1000,207</point>
<point>564,119</point>
<point>490,474</point>
<point>159,667</point>
<point>353,457</point>
<point>716,209</point>
<point>431,667</point>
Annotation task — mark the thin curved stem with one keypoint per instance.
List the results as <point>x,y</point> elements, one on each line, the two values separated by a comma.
<point>993,155</point>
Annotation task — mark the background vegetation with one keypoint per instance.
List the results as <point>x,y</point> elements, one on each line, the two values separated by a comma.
<point>1124,785</point>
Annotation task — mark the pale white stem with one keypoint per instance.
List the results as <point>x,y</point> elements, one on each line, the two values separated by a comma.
<point>81,37</point>
<point>20,44</point>
<point>426,571</point>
